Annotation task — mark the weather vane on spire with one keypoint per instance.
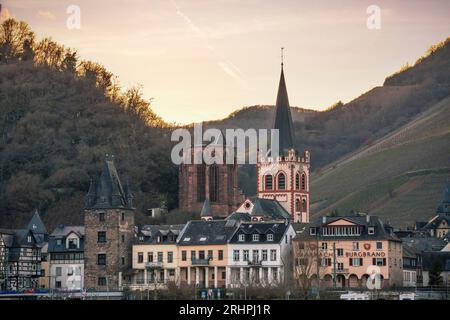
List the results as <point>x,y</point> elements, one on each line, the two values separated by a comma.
<point>282,56</point>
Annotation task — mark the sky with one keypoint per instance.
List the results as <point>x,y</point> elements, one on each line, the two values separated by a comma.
<point>203,59</point>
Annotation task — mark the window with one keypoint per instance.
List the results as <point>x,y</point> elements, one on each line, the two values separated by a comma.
<point>255,237</point>
<point>268,182</point>
<point>340,266</point>
<point>303,181</point>
<point>326,262</point>
<point>193,254</point>
<point>183,255</point>
<point>242,237</point>
<point>312,231</point>
<point>101,281</point>
<point>281,181</point>
<point>270,237</point>
<point>123,216</point>
<point>245,254</point>
<point>72,243</point>
<point>355,246</point>
<point>298,205</point>
<point>275,274</point>
<point>214,183</point>
<point>264,255</point>
<point>123,260</point>
<point>201,254</point>
<point>58,284</point>
<point>371,230</point>
<point>58,242</point>
<point>379,245</point>
<point>273,255</point>
<point>210,254</point>
<point>169,257</point>
<point>101,216</point>
<point>101,259</point>
<point>140,257</point>
<point>356,262</point>
<point>58,271</point>
<point>340,252</point>
<point>236,256</point>
<point>255,255</point>
<point>101,236</point>
<point>304,205</point>
<point>122,238</point>
<point>150,257</point>
<point>29,239</point>
<point>201,183</point>
<point>160,257</point>
<point>297,181</point>
<point>379,261</point>
<point>220,254</point>
<point>324,246</point>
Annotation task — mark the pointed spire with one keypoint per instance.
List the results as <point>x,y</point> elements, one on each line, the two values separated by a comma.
<point>283,118</point>
<point>206,213</point>
<point>36,225</point>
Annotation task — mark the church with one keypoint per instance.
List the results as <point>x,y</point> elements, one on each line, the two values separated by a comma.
<point>283,179</point>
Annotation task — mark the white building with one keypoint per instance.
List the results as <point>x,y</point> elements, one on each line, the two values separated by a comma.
<point>259,254</point>
<point>66,264</point>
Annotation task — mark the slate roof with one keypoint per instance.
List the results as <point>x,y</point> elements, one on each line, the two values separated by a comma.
<point>239,216</point>
<point>269,208</point>
<point>36,224</point>
<point>262,228</point>
<point>61,233</point>
<point>207,232</point>
<point>150,233</point>
<point>107,192</point>
<point>283,118</point>
<point>436,221</point>
<point>425,243</point>
<point>381,230</point>
<point>206,209</point>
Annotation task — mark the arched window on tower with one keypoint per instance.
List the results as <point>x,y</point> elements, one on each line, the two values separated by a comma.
<point>297,181</point>
<point>297,205</point>
<point>303,182</point>
<point>214,183</point>
<point>281,181</point>
<point>201,183</point>
<point>304,206</point>
<point>268,182</point>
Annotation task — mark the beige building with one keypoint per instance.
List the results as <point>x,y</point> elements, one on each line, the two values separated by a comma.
<point>350,250</point>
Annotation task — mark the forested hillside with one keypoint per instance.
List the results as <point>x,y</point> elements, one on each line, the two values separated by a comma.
<point>59,116</point>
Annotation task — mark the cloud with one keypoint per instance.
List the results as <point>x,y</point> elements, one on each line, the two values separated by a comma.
<point>4,14</point>
<point>46,15</point>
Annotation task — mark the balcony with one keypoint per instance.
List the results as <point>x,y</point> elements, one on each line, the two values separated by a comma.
<point>342,271</point>
<point>254,263</point>
<point>200,262</point>
<point>153,265</point>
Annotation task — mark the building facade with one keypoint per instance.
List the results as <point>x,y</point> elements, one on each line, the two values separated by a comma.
<point>350,250</point>
<point>66,258</point>
<point>285,177</point>
<point>259,254</point>
<point>109,232</point>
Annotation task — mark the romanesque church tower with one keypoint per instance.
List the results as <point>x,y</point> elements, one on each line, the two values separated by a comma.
<point>109,231</point>
<point>285,178</point>
<point>217,183</point>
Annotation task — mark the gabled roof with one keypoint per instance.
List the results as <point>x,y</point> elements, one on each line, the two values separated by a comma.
<point>108,192</point>
<point>278,230</point>
<point>61,233</point>
<point>268,208</point>
<point>150,233</point>
<point>36,225</point>
<point>283,118</point>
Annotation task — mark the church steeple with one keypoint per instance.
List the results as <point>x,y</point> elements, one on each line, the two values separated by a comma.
<point>283,118</point>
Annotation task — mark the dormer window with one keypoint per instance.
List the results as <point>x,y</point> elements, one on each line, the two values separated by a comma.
<point>58,242</point>
<point>242,237</point>
<point>29,239</point>
<point>187,239</point>
<point>72,243</point>
<point>202,239</point>
<point>255,237</point>
<point>312,231</point>
<point>270,237</point>
<point>141,238</point>
<point>371,230</point>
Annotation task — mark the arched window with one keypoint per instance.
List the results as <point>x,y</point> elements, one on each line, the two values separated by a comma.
<point>297,181</point>
<point>281,181</point>
<point>304,207</point>
<point>268,182</point>
<point>297,205</point>
<point>303,181</point>
<point>201,183</point>
<point>213,183</point>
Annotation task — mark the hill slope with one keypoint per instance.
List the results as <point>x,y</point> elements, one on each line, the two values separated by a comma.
<point>399,177</point>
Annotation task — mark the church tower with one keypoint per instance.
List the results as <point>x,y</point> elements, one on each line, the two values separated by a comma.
<point>109,231</point>
<point>286,177</point>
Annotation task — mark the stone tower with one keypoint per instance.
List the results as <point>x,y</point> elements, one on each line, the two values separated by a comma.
<point>109,231</point>
<point>286,177</point>
<point>216,182</point>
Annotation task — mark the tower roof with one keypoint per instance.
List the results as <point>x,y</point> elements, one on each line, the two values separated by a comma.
<point>206,209</point>
<point>257,210</point>
<point>108,192</point>
<point>283,118</point>
<point>36,225</point>
<point>444,206</point>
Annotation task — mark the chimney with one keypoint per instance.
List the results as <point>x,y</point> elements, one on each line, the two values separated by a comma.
<point>367,218</point>
<point>324,219</point>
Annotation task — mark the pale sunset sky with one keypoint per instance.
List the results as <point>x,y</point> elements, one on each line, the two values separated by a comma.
<point>203,59</point>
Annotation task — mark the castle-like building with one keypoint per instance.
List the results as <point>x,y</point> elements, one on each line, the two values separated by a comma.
<point>286,177</point>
